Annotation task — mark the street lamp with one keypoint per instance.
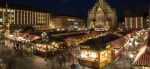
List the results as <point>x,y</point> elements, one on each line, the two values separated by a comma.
<point>136,43</point>
<point>131,39</point>
<point>132,58</point>
<point>45,39</point>
<point>53,44</point>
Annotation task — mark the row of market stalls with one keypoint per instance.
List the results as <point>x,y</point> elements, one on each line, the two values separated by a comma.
<point>33,41</point>
<point>24,37</point>
<point>76,40</point>
<point>94,52</point>
<point>118,44</point>
<point>142,58</point>
<point>100,51</point>
<point>55,40</point>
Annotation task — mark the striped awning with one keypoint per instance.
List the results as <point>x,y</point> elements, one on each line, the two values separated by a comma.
<point>143,60</point>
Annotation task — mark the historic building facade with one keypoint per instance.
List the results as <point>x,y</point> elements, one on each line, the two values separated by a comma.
<point>101,16</point>
<point>69,23</point>
<point>21,17</point>
<point>134,20</point>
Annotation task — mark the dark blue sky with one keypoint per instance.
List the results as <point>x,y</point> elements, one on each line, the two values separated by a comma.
<point>79,8</point>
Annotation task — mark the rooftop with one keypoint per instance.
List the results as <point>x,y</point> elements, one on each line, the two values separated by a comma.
<point>100,42</point>
<point>20,7</point>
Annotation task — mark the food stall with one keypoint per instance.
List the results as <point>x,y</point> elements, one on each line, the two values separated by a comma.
<point>94,52</point>
<point>94,58</point>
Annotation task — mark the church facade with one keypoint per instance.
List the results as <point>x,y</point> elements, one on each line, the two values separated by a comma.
<point>101,16</point>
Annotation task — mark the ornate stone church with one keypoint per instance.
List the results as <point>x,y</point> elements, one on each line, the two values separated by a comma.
<point>101,16</point>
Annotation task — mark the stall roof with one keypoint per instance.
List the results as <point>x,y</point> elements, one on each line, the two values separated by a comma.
<point>100,42</point>
<point>143,57</point>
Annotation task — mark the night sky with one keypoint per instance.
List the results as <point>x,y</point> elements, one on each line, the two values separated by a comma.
<point>79,8</point>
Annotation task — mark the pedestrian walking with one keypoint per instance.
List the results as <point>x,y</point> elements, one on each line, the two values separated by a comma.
<point>77,66</point>
<point>64,59</point>
<point>73,66</point>
<point>60,61</point>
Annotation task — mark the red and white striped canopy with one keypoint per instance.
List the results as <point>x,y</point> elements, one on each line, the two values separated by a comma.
<point>142,57</point>
<point>143,60</point>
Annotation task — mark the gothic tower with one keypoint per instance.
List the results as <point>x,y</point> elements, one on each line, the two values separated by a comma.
<point>101,16</point>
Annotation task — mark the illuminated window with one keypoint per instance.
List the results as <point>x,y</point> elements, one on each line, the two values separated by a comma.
<point>0,9</point>
<point>1,19</point>
<point>86,54</point>
<point>75,27</point>
<point>11,15</point>
<point>69,19</point>
<point>75,23</point>
<point>10,10</point>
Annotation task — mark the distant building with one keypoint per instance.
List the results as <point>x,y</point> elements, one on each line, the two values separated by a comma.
<point>149,18</point>
<point>120,23</point>
<point>61,23</point>
<point>22,17</point>
<point>146,23</point>
<point>134,19</point>
<point>101,16</point>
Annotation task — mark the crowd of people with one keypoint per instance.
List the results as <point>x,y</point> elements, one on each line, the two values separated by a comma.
<point>63,57</point>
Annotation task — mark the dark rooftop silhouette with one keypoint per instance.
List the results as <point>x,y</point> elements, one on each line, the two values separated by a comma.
<point>100,42</point>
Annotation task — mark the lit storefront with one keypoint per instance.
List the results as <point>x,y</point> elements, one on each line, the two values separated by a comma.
<point>94,52</point>
<point>95,58</point>
<point>50,47</point>
<point>142,59</point>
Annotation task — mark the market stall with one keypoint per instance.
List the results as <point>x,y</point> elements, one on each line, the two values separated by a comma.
<point>95,58</point>
<point>94,53</point>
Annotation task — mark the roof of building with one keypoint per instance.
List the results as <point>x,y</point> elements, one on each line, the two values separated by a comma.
<point>103,5</point>
<point>20,7</point>
<point>133,13</point>
<point>100,42</point>
<point>68,16</point>
<point>143,57</point>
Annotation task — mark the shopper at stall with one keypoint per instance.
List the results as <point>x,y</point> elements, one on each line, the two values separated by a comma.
<point>77,66</point>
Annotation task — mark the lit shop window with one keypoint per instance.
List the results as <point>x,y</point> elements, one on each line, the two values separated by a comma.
<point>10,10</point>
<point>86,54</point>
<point>103,56</point>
